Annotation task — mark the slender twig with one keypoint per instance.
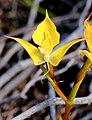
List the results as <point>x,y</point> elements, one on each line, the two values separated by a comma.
<point>10,98</point>
<point>87,117</point>
<point>85,12</point>
<point>33,13</point>
<point>20,66</point>
<point>51,94</point>
<point>15,82</point>
<point>35,78</point>
<point>49,102</point>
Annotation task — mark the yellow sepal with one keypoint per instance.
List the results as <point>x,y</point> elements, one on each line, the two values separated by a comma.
<point>58,54</point>
<point>33,52</point>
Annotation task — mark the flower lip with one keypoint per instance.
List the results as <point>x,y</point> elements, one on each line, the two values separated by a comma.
<point>46,58</point>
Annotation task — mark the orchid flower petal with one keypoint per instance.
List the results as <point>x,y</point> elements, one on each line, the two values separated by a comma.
<point>47,45</point>
<point>88,33</point>
<point>87,54</point>
<point>58,54</point>
<point>46,34</point>
<point>33,52</point>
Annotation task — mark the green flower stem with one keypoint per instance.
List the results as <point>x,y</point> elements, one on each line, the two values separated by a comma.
<point>79,78</point>
<point>54,84</point>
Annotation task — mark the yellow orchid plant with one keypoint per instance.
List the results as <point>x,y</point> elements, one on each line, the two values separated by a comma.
<point>46,38</point>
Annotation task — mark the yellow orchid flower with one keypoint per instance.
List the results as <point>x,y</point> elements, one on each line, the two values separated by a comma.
<point>88,38</point>
<point>46,37</point>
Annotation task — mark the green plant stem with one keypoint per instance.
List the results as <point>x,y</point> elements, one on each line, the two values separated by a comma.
<point>79,78</point>
<point>54,84</point>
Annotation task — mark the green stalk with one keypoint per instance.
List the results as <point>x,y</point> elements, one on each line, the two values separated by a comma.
<point>54,84</point>
<point>78,81</point>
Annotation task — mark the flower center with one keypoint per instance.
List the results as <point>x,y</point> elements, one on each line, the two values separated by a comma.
<point>46,58</point>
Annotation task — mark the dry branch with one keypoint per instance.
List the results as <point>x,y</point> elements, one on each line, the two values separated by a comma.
<point>20,66</point>
<point>49,102</point>
<point>15,82</point>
